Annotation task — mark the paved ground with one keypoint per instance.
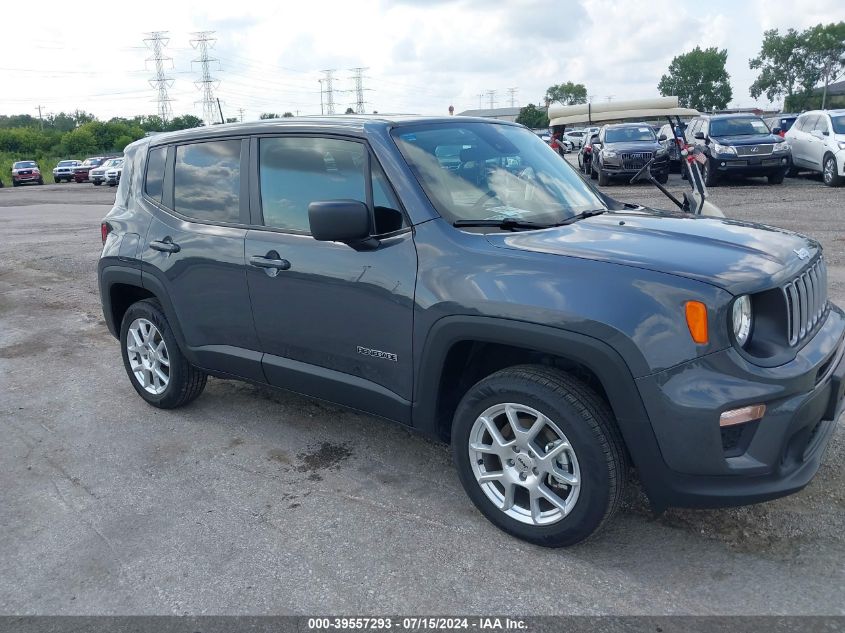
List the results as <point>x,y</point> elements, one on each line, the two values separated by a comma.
<point>254,501</point>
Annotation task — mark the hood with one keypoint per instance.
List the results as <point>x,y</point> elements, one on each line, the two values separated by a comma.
<point>632,146</point>
<point>752,139</point>
<point>737,256</point>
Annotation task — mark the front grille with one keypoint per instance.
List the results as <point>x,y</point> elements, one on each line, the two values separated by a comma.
<point>806,301</point>
<point>635,160</point>
<point>754,150</point>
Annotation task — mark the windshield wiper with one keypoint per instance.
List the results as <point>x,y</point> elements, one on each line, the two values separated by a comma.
<point>581,216</point>
<point>504,223</point>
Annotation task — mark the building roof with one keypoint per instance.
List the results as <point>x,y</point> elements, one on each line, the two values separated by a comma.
<point>836,88</point>
<point>491,112</point>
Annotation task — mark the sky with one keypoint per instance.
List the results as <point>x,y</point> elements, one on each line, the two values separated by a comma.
<point>421,55</point>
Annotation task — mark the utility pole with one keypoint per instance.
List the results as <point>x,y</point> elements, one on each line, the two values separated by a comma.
<point>491,94</point>
<point>328,79</point>
<point>358,80</point>
<point>156,42</point>
<point>241,111</point>
<point>512,96</point>
<point>609,98</point>
<point>40,118</point>
<point>480,100</point>
<point>202,42</point>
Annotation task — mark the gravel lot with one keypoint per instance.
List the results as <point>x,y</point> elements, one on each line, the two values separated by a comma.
<point>258,501</point>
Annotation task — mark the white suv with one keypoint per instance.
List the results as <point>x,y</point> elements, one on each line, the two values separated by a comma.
<point>817,140</point>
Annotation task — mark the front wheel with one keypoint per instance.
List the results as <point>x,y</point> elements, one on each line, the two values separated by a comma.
<point>96,183</point>
<point>604,179</point>
<point>156,367</point>
<point>776,179</point>
<point>711,178</point>
<point>57,180</point>
<point>539,454</point>
<point>40,181</point>
<point>829,175</point>
<point>662,178</point>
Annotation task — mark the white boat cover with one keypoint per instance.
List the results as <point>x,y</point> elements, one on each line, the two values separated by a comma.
<point>636,109</point>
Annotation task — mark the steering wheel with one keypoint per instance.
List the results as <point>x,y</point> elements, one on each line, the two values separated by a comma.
<point>479,204</point>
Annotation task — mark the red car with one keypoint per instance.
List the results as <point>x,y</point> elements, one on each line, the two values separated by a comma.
<point>24,171</point>
<point>80,173</point>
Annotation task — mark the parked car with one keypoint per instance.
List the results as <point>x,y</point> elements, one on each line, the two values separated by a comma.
<point>547,331</point>
<point>781,123</point>
<point>624,148</point>
<point>113,172</point>
<point>575,138</point>
<point>64,170</point>
<point>672,141</point>
<point>739,144</point>
<point>26,171</point>
<point>97,175</point>
<point>81,173</point>
<point>817,140</point>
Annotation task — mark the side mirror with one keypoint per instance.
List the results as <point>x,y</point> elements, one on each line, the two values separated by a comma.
<point>776,130</point>
<point>817,133</point>
<point>596,145</point>
<point>339,221</point>
<point>662,137</point>
<point>699,136</point>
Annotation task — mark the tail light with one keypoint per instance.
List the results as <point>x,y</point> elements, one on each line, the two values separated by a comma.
<point>105,229</point>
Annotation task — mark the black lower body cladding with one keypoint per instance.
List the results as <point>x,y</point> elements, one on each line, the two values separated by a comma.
<point>710,466</point>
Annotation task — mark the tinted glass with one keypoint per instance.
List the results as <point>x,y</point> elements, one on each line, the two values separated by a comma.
<point>295,172</point>
<point>821,125</point>
<point>629,134</point>
<point>207,181</point>
<point>838,123</point>
<point>66,163</point>
<point>155,172</point>
<point>388,215</point>
<point>504,172</point>
<point>745,126</point>
<point>24,164</point>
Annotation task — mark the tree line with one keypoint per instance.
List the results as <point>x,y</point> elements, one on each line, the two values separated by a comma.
<point>791,66</point>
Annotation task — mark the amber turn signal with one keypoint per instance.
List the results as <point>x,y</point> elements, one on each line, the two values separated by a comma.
<point>697,321</point>
<point>740,416</point>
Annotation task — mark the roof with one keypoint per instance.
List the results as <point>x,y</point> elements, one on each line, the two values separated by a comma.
<point>836,88</point>
<point>491,112</point>
<point>733,115</point>
<point>352,124</point>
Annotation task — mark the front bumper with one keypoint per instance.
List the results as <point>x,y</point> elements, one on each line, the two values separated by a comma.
<point>773,457</point>
<point>616,169</point>
<point>19,178</point>
<point>80,176</point>
<point>770,164</point>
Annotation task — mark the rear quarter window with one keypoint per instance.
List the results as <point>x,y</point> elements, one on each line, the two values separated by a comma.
<point>207,181</point>
<point>154,179</point>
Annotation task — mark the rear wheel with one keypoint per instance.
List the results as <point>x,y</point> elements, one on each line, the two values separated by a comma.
<point>156,367</point>
<point>829,175</point>
<point>539,455</point>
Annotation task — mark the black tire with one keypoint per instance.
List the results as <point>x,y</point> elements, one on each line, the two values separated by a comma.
<point>776,179</point>
<point>186,382</point>
<point>40,181</point>
<point>57,180</point>
<point>96,183</point>
<point>604,179</point>
<point>793,172</point>
<point>831,178</point>
<point>15,183</point>
<point>588,424</point>
<point>593,174</point>
<point>662,178</point>
<point>711,178</point>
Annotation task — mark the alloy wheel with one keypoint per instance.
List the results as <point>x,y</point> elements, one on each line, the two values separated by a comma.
<point>829,169</point>
<point>148,356</point>
<point>524,464</point>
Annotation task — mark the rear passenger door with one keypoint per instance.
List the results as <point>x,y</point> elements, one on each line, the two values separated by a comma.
<point>333,321</point>
<point>194,252</point>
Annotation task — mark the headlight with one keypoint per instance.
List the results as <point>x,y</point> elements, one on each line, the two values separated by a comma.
<point>723,149</point>
<point>608,153</point>
<point>841,145</point>
<point>781,147</point>
<point>742,319</point>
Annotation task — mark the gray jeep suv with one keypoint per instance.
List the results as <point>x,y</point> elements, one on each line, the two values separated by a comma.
<point>553,335</point>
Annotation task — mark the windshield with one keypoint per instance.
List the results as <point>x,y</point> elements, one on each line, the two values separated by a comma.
<point>23,164</point>
<point>501,171</point>
<point>628,134</point>
<point>92,162</point>
<point>745,126</point>
<point>838,123</point>
<point>66,163</point>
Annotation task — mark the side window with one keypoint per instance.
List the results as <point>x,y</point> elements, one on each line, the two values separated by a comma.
<point>691,130</point>
<point>294,172</point>
<point>810,123</point>
<point>207,180</point>
<point>388,216</point>
<point>155,172</point>
<point>821,125</point>
<point>704,127</point>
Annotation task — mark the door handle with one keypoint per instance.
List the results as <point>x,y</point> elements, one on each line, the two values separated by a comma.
<point>271,261</point>
<point>165,246</point>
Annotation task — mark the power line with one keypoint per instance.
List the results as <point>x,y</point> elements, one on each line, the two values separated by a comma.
<point>329,90</point>
<point>358,79</point>
<point>157,43</point>
<point>512,96</point>
<point>491,94</point>
<point>202,42</point>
